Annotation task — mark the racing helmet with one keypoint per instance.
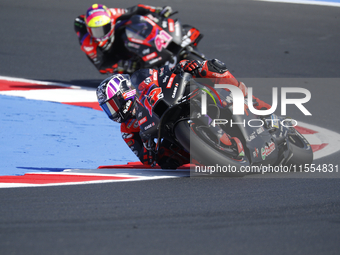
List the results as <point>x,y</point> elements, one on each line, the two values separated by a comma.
<point>100,22</point>
<point>117,97</point>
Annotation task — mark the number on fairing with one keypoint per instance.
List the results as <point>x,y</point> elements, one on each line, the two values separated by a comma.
<point>162,40</point>
<point>152,99</point>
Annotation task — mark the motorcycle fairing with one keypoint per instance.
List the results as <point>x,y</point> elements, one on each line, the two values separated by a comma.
<point>158,41</point>
<point>160,91</point>
<point>255,139</point>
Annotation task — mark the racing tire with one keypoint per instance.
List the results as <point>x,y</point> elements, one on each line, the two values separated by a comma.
<point>206,154</point>
<point>301,150</point>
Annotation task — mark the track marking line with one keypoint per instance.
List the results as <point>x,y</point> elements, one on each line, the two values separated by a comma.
<point>80,176</point>
<point>327,140</point>
<point>307,2</point>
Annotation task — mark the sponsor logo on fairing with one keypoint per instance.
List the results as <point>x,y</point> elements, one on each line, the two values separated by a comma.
<point>256,153</point>
<point>133,45</point>
<point>165,78</point>
<point>171,25</point>
<point>169,85</point>
<point>149,126</point>
<point>136,40</point>
<point>142,121</point>
<point>267,150</point>
<point>88,48</point>
<point>177,29</point>
<point>251,137</point>
<point>150,21</point>
<point>146,51</point>
<point>259,130</point>
<point>155,74</point>
<point>150,56</point>
<point>175,91</point>
<point>153,18</point>
<point>155,60</point>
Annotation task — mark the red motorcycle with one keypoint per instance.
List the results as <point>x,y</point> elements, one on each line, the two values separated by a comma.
<point>169,112</point>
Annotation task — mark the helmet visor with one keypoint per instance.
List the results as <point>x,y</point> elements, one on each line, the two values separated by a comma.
<point>111,108</point>
<point>100,32</point>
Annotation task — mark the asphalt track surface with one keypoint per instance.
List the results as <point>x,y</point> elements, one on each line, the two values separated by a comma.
<point>285,43</point>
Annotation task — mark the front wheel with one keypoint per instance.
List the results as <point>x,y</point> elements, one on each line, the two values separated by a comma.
<point>196,139</point>
<point>301,150</point>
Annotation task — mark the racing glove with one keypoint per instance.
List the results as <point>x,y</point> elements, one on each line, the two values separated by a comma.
<point>191,66</point>
<point>212,69</point>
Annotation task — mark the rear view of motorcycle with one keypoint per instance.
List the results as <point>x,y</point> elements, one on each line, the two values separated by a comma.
<point>192,115</point>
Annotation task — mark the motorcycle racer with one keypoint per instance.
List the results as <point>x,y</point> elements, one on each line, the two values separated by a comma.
<point>99,33</point>
<point>117,97</point>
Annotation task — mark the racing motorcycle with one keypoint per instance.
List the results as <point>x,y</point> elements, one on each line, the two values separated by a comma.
<point>171,113</point>
<point>158,41</point>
